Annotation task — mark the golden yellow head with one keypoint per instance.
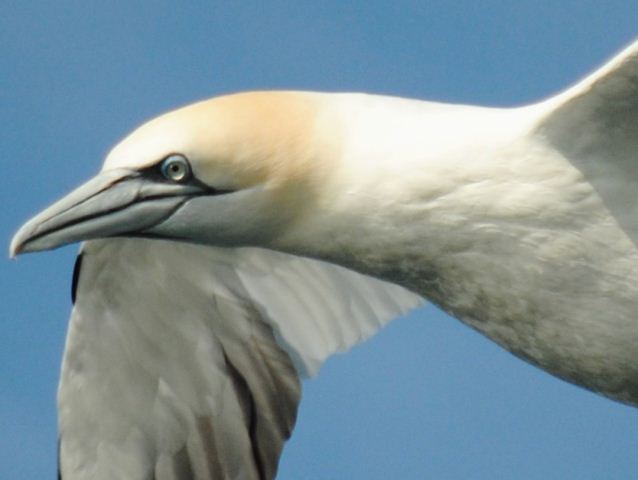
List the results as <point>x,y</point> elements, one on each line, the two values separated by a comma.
<point>245,166</point>
<point>235,141</point>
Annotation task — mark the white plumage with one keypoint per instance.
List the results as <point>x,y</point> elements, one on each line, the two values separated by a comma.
<point>184,349</point>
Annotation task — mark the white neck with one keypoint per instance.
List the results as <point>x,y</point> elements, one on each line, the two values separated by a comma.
<point>415,184</point>
<point>474,210</point>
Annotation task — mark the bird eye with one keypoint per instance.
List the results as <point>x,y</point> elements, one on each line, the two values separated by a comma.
<point>175,168</point>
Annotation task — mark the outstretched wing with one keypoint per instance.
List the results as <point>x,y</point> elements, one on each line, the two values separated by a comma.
<point>183,361</point>
<point>594,125</point>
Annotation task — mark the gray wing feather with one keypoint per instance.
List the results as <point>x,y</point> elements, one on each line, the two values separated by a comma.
<point>167,378</point>
<point>183,361</point>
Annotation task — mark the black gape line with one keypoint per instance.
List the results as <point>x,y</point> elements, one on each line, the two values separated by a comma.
<point>110,211</point>
<point>154,173</point>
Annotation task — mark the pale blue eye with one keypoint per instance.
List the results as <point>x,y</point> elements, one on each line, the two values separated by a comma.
<point>175,168</point>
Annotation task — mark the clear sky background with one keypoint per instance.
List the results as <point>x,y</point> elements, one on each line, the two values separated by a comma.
<point>427,397</point>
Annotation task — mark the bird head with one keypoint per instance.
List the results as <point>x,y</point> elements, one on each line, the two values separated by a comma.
<point>234,170</point>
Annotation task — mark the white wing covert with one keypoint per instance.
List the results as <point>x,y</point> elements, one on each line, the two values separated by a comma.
<point>183,361</point>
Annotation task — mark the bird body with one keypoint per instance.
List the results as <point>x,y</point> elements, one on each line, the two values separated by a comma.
<point>262,232</point>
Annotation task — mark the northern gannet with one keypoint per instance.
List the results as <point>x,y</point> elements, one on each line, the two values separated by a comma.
<point>234,244</point>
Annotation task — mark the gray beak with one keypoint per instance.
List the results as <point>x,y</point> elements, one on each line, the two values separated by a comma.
<point>115,203</point>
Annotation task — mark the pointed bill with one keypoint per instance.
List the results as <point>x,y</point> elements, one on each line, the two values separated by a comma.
<point>115,202</point>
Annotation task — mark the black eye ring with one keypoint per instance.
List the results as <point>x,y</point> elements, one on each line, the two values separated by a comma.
<point>175,168</point>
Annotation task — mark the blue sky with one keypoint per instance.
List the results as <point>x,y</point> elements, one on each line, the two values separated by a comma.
<point>427,397</point>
